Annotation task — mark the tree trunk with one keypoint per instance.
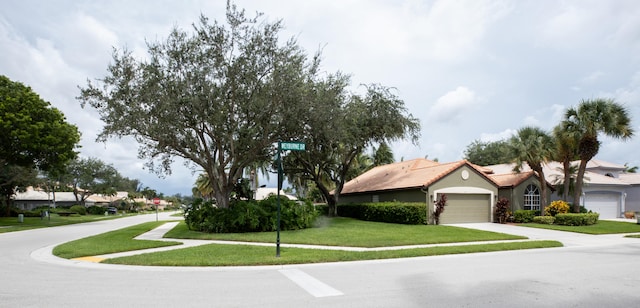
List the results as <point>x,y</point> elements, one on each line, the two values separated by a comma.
<point>578,188</point>
<point>543,191</point>
<point>566,165</point>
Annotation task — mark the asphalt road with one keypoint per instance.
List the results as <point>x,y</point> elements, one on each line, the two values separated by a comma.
<point>593,271</point>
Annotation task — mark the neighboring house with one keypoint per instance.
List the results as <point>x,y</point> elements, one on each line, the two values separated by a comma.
<point>264,192</point>
<point>35,197</point>
<point>472,191</point>
<point>607,189</point>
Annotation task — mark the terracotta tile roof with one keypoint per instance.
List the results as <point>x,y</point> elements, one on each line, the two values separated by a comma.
<point>409,174</point>
<point>511,179</point>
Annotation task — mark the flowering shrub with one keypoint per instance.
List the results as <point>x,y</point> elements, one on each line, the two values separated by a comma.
<point>556,207</point>
<point>502,210</point>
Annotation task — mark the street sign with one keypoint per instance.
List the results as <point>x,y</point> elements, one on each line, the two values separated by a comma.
<point>156,200</point>
<point>293,146</point>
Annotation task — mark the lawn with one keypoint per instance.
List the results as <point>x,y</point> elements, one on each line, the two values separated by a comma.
<point>111,242</point>
<point>341,231</point>
<point>602,227</point>
<point>11,224</point>
<point>330,231</point>
<point>243,255</point>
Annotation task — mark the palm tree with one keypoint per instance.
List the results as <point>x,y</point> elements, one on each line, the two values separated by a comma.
<point>590,118</point>
<point>533,146</point>
<point>204,187</point>
<point>629,169</point>
<point>566,148</point>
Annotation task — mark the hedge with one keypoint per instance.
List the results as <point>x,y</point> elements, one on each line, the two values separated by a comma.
<point>572,219</point>
<point>411,213</point>
<point>524,216</point>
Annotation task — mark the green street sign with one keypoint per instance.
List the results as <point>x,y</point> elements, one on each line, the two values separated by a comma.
<point>293,146</point>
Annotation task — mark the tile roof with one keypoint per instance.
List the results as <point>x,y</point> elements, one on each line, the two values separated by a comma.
<point>511,179</point>
<point>415,173</point>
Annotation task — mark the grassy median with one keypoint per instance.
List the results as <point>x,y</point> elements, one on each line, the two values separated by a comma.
<point>328,232</point>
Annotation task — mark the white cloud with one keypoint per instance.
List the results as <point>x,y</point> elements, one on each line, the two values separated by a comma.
<point>493,137</point>
<point>452,104</point>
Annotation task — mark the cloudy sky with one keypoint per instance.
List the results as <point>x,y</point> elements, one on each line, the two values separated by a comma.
<point>467,69</point>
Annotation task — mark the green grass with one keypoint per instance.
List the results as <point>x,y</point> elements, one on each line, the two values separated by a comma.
<point>242,255</point>
<point>11,224</point>
<point>602,227</point>
<point>634,236</point>
<point>355,233</point>
<point>111,242</point>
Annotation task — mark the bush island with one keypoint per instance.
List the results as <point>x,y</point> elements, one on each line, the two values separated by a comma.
<point>410,213</point>
<point>249,216</point>
<point>524,216</point>
<point>79,209</point>
<point>556,207</point>
<point>571,219</point>
<point>547,220</point>
<point>96,210</point>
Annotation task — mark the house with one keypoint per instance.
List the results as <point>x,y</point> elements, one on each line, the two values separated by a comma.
<point>471,190</point>
<point>264,192</point>
<point>35,197</point>
<point>607,189</point>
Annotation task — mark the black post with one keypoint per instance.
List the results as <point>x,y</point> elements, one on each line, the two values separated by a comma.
<point>279,162</point>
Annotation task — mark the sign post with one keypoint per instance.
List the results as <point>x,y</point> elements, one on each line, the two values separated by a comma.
<point>290,146</point>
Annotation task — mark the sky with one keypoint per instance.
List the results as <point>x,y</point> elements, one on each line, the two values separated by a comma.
<point>468,70</point>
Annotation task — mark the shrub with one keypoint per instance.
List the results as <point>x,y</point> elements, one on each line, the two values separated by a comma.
<point>556,207</point>
<point>411,213</point>
<point>79,209</point>
<point>249,216</point>
<point>547,220</point>
<point>440,204</point>
<point>524,216</point>
<point>572,219</point>
<point>96,210</point>
<point>502,210</point>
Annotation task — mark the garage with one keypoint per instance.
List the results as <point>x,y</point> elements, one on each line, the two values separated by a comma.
<point>605,204</point>
<point>465,208</point>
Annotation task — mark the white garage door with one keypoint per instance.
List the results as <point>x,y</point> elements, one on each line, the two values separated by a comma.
<point>463,208</point>
<point>605,204</point>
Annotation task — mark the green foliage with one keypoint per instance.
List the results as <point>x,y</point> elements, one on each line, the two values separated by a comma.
<point>573,219</point>
<point>389,212</point>
<point>95,210</point>
<point>524,216</point>
<point>502,210</point>
<point>34,134</point>
<point>249,216</point>
<point>78,209</point>
<point>88,176</point>
<point>546,220</point>
<point>487,153</point>
<point>556,207</point>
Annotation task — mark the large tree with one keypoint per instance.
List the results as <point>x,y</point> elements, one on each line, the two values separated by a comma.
<point>35,136</point>
<point>218,97</point>
<point>533,146</point>
<point>340,127</point>
<point>485,153</point>
<point>588,120</point>
<point>89,176</point>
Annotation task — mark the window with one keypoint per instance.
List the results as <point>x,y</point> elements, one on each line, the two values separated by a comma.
<point>531,198</point>
<point>375,198</point>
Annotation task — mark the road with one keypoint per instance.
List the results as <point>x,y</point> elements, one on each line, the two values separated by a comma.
<point>600,271</point>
